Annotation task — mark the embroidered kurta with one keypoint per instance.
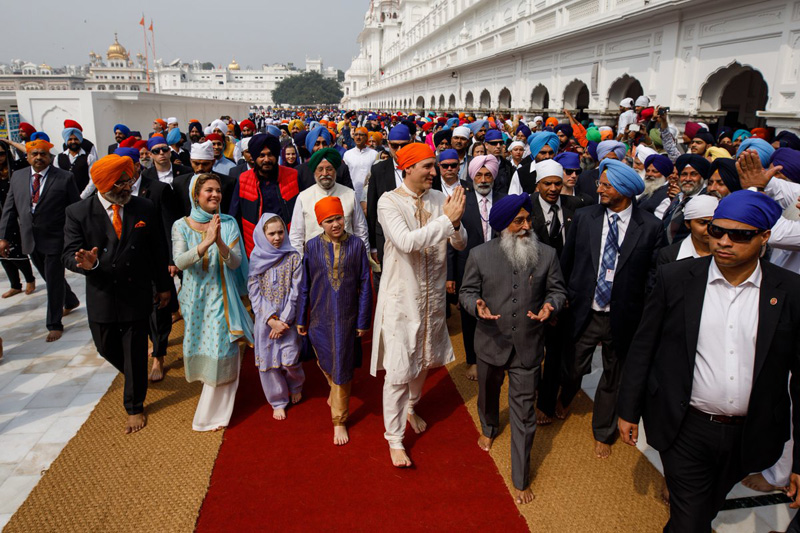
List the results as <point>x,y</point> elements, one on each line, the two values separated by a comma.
<point>275,293</point>
<point>410,333</point>
<point>335,301</point>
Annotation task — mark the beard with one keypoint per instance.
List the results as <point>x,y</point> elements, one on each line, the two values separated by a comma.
<point>118,197</point>
<point>522,251</point>
<point>483,188</point>
<point>146,163</point>
<point>326,183</point>
<point>651,186</point>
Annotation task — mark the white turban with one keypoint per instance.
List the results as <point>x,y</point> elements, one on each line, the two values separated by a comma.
<point>208,131</point>
<point>172,120</point>
<point>515,144</point>
<point>244,143</point>
<point>461,131</point>
<point>202,151</point>
<point>219,125</point>
<point>643,101</point>
<point>701,206</point>
<point>548,168</point>
<point>537,118</point>
<point>627,103</point>
<point>643,152</point>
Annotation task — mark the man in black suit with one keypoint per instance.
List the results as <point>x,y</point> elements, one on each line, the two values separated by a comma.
<point>607,260</point>
<point>246,163</point>
<point>163,169</point>
<point>37,199</point>
<point>657,169</point>
<point>696,216</point>
<point>116,240</point>
<point>202,163</point>
<point>495,145</point>
<point>693,171</point>
<point>121,132</point>
<point>708,367</point>
<point>551,219</point>
<point>480,196</point>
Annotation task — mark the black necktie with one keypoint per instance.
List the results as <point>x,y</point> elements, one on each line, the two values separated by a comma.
<point>555,224</point>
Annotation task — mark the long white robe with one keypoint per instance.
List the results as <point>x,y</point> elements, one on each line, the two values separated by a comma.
<point>410,332</point>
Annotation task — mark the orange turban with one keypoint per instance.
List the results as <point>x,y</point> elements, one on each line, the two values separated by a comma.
<point>413,153</point>
<point>327,207</point>
<point>162,122</point>
<point>39,144</point>
<point>376,135</point>
<point>606,135</point>
<point>108,170</point>
<point>362,130</point>
<point>551,122</point>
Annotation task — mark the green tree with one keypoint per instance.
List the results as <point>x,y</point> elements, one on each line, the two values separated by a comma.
<point>208,65</point>
<point>308,88</point>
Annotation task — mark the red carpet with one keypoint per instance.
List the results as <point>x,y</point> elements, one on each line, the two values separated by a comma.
<point>288,475</point>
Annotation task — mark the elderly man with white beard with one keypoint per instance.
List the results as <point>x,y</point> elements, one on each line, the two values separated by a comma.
<point>655,198</point>
<point>512,286</point>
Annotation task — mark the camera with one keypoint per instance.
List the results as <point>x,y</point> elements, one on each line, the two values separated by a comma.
<point>663,110</point>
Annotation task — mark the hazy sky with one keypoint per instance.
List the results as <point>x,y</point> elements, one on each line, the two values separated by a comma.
<point>252,31</point>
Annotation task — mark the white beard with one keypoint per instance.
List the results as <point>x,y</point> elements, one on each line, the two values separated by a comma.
<point>522,252</point>
<point>651,186</point>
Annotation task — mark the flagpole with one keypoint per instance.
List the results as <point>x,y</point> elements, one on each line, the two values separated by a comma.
<point>153,43</point>
<point>146,56</point>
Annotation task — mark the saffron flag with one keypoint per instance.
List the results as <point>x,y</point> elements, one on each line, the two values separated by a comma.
<point>151,25</point>
<point>141,22</point>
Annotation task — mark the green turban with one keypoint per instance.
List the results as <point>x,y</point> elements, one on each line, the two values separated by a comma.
<point>329,154</point>
<point>593,134</point>
<point>655,135</point>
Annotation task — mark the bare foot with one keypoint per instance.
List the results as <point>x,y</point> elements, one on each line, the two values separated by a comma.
<point>135,423</point>
<point>400,458</point>
<point>542,419</point>
<point>157,371</point>
<point>297,396</point>
<point>485,443</point>
<point>759,482</point>
<point>329,400</point>
<point>70,309</point>
<point>602,450</point>
<point>54,335</point>
<point>30,288</point>
<point>665,494</point>
<point>417,424</point>
<point>472,372</point>
<point>279,414</point>
<point>561,411</point>
<point>525,496</point>
<point>11,292</point>
<point>340,436</point>
<point>218,429</point>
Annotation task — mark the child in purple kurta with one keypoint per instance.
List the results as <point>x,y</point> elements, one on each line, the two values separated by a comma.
<point>276,272</point>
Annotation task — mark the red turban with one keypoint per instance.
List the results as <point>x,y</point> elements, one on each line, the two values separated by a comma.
<point>72,124</point>
<point>328,207</point>
<point>427,126</point>
<point>413,153</point>
<point>27,128</point>
<point>129,142</point>
<point>247,123</point>
<point>214,137</point>
<point>760,133</point>
<point>140,144</point>
<point>108,170</point>
<point>691,129</point>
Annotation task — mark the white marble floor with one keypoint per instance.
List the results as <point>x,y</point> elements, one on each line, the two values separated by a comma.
<point>47,390</point>
<point>754,520</point>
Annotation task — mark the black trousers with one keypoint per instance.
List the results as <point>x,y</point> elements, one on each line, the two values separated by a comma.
<point>59,293</point>
<point>468,325</point>
<point>522,384</point>
<point>13,267</point>
<point>558,348</point>
<point>701,467</point>
<point>124,345</point>
<point>161,323</point>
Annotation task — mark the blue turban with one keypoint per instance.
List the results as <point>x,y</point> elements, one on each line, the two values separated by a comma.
<point>124,129</point>
<point>787,139</point>
<point>749,207</point>
<point>196,126</point>
<point>72,131</point>
<point>566,128</point>
<point>448,155</point>
<point>174,136</point>
<point>661,162</point>
<point>591,147</point>
<point>37,135</point>
<point>740,134</point>
<point>477,125</point>
<point>606,147</point>
<point>276,131</point>
<point>453,122</point>
<point>622,177</point>
<point>493,135</point>
<point>790,161</point>
<point>313,135</point>
<point>568,160</point>
<point>761,146</point>
<point>400,133</point>
<point>507,208</point>
<point>537,141</point>
<point>524,129</point>
<point>155,140</point>
<point>372,116</point>
<point>133,153</point>
<point>697,162</point>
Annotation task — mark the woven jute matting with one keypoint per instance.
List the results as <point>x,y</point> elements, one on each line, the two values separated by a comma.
<point>153,480</point>
<point>574,490</point>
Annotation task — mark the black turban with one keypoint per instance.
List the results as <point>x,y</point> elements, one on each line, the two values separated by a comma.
<point>259,141</point>
<point>697,162</point>
<point>704,135</point>
<point>439,136</point>
<point>727,171</point>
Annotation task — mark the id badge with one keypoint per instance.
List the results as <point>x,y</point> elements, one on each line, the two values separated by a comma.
<point>609,275</point>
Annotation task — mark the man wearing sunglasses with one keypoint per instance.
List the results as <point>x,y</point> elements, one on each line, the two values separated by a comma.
<point>163,169</point>
<point>708,366</point>
<point>696,216</point>
<point>495,146</point>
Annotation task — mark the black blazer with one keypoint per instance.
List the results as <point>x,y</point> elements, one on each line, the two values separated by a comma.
<point>473,223</point>
<point>635,265</point>
<point>238,170</point>
<point>42,231</point>
<point>163,199</point>
<point>112,147</point>
<point>569,204</point>
<point>120,289</point>
<point>381,180</point>
<point>668,254</point>
<point>651,204</point>
<point>587,184</point>
<point>305,178</point>
<point>658,374</point>
<point>180,185</point>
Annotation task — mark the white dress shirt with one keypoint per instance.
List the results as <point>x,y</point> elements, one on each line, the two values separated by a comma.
<point>109,209</point>
<point>359,161</point>
<point>448,189</point>
<point>398,174</point>
<point>726,345</point>
<point>42,181</point>
<point>622,227</point>
<point>548,214</point>
<point>165,177</point>
<point>687,249</point>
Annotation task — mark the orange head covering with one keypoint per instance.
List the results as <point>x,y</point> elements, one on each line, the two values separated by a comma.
<point>327,207</point>
<point>162,122</point>
<point>108,170</point>
<point>413,153</point>
<point>38,144</point>
<point>551,122</point>
<point>362,130</point>
<point>376,135</point>
<point>606,135</point>
<point>760,133</point>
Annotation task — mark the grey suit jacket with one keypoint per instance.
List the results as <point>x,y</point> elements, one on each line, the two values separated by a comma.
<point>489,276</point>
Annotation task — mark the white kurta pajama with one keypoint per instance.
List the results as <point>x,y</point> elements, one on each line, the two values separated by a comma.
<point>410,332</point>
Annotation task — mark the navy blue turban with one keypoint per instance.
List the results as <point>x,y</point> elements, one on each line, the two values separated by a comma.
<point>259,141</point>
<point>591,148</point>
<point>126,131</point>
<point>761,146</point>
<point>790,161</point>
<point>441,135</point>
<point>622,177</point>
<point>748,207</point>
<point>727,171</point>
<point>155,140</point>
<point>448,155</point>
<point>524,129</point>
<point>787,139</point>
<point>566,128</point>
<point>537,141</point>
<point>400,133</point>
<point>505,210</point>
<point>704,135</point>
<point>661,163</point>
<point>493,135</point>
<point>697,162</point>
<point>133,153</point>
<point>568,160</point>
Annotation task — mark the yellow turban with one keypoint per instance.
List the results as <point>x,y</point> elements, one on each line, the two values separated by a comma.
<point>109,169</point>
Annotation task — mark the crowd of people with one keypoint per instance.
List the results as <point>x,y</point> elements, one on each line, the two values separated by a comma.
<point>297,232</point>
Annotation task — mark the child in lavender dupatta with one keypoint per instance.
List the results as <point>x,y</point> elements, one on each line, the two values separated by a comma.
<point>276,272</point>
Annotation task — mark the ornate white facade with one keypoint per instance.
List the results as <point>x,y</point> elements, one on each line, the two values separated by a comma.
<point>25,76</point>
<point>736,60</point>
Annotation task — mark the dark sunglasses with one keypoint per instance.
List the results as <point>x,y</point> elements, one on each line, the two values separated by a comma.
<point>160,150</point>
<point>735,235</point>
<point>572,171</point>
<point>494,143</point>
<point>448,165</point>
<point>397,146</point>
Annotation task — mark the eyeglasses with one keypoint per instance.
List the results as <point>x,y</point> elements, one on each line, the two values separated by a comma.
<point>123,184</point>
<point>494,143</point>
<point>735,235</point>
<point>448,165</point>
<point>572,171</point>
<point>160,150</point>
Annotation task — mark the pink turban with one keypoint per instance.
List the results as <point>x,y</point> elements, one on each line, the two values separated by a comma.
<point>488,161</point>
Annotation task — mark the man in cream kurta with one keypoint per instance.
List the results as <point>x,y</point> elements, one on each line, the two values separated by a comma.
<point>410,333</point>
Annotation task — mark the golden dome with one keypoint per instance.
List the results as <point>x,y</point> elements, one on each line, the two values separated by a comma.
<point>116,50</point>
<point>45,66</point>
<point>233,65</point>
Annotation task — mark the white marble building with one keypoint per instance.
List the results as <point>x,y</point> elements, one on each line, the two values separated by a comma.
<point>26,76</point>
<point>735,60</point>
